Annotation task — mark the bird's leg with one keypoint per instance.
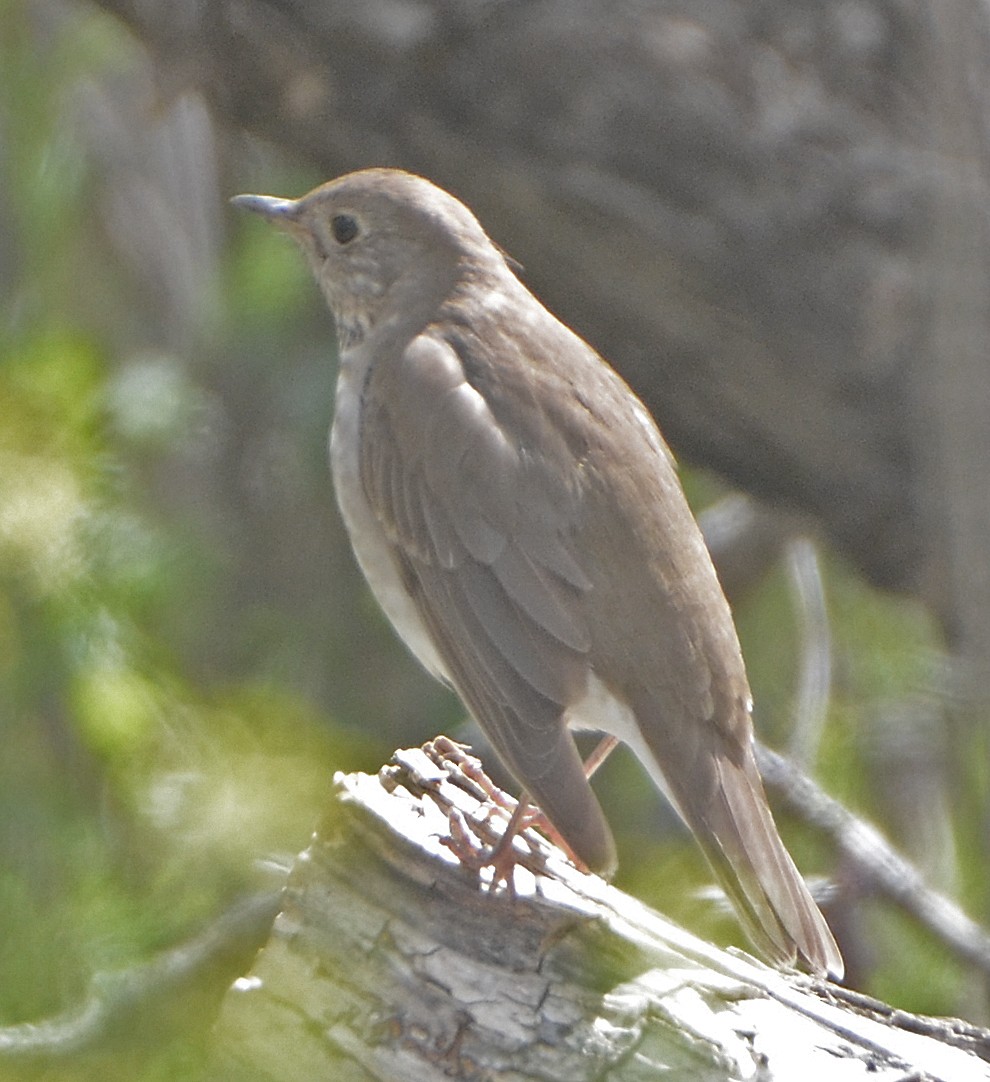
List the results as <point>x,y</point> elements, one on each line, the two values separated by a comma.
<point>533,817</point>
<point>603,749</point>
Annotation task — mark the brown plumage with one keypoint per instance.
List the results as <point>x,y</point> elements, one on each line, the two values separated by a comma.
<point>519,518</point>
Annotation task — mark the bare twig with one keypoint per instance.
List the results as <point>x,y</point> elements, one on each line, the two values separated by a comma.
<point>878,864</point>
<point>815,674</point>
<point>115,997</point>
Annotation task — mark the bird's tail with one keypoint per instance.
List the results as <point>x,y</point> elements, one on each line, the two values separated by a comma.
<point>739,837</point>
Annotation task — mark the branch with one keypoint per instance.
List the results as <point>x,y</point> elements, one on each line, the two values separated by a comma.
<point>877,864</point>
<point>116,998</point>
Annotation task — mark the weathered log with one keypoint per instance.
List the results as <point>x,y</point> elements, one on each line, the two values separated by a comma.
<point>391,960</point>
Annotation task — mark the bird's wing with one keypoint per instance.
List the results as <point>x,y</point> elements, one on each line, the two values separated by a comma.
<point>481,530</point>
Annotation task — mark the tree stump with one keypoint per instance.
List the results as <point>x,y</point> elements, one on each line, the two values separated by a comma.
<point>395,958</point>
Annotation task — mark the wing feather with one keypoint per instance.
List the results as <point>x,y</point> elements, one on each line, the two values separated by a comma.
<point>481,533</point>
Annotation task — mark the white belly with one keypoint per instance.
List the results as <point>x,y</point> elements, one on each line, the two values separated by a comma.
<point>367,539</point>
<point>599,710</point>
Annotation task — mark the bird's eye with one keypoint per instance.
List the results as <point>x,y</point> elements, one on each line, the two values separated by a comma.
<point>344,228</point>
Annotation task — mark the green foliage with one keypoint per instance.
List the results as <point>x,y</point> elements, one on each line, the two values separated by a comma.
<point>136,798</point>
<point>269,283</point>
<point>926,978</point>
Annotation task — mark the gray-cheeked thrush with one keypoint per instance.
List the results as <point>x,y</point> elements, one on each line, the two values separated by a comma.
<point>519,518</point>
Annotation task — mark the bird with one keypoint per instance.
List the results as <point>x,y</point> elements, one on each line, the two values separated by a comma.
<point>520,520</point>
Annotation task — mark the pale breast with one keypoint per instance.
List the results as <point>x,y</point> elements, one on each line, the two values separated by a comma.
<point>368,540</point>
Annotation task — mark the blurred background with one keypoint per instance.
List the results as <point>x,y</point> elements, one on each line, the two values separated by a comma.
<point>770,216</point>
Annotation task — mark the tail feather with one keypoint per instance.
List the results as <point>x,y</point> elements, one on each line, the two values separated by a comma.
<point>740,839</point>
<point>708,772</point>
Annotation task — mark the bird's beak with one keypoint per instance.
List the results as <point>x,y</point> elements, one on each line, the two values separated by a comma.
<point>280,212</point>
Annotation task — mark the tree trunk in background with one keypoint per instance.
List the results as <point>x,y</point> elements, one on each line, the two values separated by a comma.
<point>953,390</point>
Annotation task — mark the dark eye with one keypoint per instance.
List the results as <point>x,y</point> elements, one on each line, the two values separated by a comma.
<point>344,228</point>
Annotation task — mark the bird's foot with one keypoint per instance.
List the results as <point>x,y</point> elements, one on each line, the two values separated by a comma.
<point>479,839</point>
<point>480,842</point>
